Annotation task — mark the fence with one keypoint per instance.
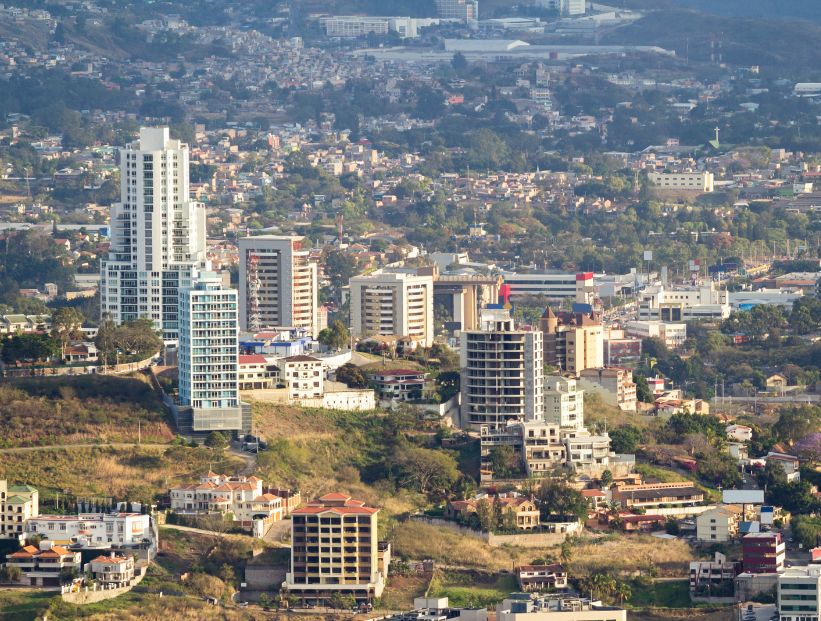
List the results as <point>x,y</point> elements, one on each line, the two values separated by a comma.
<point>79,369</point>
<point>99,592</point>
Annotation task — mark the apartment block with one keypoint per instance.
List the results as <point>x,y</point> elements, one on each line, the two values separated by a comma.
<point>209,356</point>
<point>798,593</point>
<point>763,553</point>
<point>393,303</point>
<point>18,503</point>
<point>563,402</point>
<point>157,234</point>
<point>572,345</point>
<point>304,376</point>
<point>719,524</point>
<point>614,384</point>
<point>277,284</point>
<point>335,549</point>
<point>93,529</point>
<point>502,372</point>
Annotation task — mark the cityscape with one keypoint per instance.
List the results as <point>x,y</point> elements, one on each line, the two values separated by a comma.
<point>415,310</point>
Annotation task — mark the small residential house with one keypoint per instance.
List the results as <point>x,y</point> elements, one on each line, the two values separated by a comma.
<point>776,383</point>
<point>525,512</point>
<point>304,376</point>
<point>541,577</point>
<point>790,463</point>
<point>739,433</point>
<point>399,384</point>
<point>112,569</point>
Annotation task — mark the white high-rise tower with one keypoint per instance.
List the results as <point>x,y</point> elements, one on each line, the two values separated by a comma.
<point>157,234</point>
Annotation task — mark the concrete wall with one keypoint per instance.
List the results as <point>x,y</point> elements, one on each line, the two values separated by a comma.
<point>525,540</point>
<point>98,594</point>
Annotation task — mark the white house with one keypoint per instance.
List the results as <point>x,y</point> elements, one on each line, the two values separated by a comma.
<point>740,433</point>
<point>98,529</point>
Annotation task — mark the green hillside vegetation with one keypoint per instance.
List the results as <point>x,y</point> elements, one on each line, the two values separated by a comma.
<point>133,473</point>
<point>80,410</point>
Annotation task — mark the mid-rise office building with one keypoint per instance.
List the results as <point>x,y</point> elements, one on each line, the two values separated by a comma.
<point>458,9</point>
<point>393,303</point>
<point>799,589</point>
<point>502,372</point>
<point>209,357</point>
<point>157,234</point>
<point>277,284</point>
<point>335,549</point>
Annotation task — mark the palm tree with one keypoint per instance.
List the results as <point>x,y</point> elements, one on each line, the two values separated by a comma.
<point>623,592</point>
<point>566,554</point>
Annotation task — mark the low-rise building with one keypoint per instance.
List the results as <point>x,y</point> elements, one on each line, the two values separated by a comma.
<point>255,372</point>
<point>698,181</point>
<point>93,529</point>
<point>713,578</point>
<point>763,553</point>
<point>530,607</point>
<point>740,433</point>
<point>673,334</point>
<point>112,569</point>
<point>719,524</point>
<point>43,566</point>
<point>304,377</point>
<point>790,463</point>
<point>399,384</point>
<point>541,578</point>
<point>682,494</point>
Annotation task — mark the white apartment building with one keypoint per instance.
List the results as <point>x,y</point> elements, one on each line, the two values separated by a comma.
<point>277,284</point>
<point>18,503</point>
<point>393,303</point>
<point>563,402</point>
<point>502,372</point>
<point>684,303</point>
<point>799,589</point>
<point>98,529</point>
<point>682,181</point>
<point>209,355</point>
<point>673,334</point>
<point>304,376</point>
<point>542,448</point>
<point>458,9</point>
<point>157,234</point>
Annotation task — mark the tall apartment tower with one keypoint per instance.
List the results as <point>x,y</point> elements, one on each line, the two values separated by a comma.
<point>209,357</point>
<point>277,284</point>
<point>393,303</point>
<point>157,234</point>
<point>502,373</point>
<point>334,549</point>
<point>458,9</point>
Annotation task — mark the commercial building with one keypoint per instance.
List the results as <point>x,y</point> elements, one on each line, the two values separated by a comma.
<point>614,384</point>
<point>393,303</point>
<point>673,334</point>
<point>502,372</point>
<point>277,284</point>
<point>799,589</point>
<point>763,553</point>
<point>682,181</point>
<point>684,303</point>
<point>334,549</point>
<point>548,284</point>
<point>93,529</point>
<point>157,234</point>
<point>209,358</point>
<point>563,402</point>
<point>18,503</point>
<point>532,607</point>
<point>458,9</point>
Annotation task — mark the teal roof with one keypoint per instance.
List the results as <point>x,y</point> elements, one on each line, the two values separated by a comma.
<point>17,500</point>
<point>22,488</point>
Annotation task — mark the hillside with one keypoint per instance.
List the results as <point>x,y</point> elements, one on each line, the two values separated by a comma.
<point>80,410</point>
<point>744,42</point>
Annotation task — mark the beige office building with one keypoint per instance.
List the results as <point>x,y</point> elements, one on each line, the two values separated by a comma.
<point>393,303</point>
<point>277,284</point>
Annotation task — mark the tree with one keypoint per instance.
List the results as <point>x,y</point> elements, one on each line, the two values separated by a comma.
<point>10,574</point>
<point>336,336</point>
<point>340,267</point>
<point>66,324</point>
<point>559,499</point>
<point>216,440</point>
<point>719,469</point>
<point>642,389</point>
<point>338,601</point>
<point>352,376</point>
<point>566,553</point>
<point>606,478</point>
<point>426,470</point>
<point>625,439</point>
<point>30,348</point>
<point>459,62</point>
<point>503,462</point>
<point>797,422</point>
